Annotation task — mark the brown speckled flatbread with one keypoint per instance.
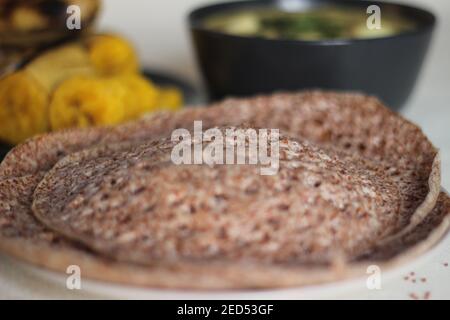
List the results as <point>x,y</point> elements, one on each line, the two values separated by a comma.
<point>344,122</point>
<point>40,153</point>
<point>23,237</point>
<point>138,206</point>
<point>354,122</point>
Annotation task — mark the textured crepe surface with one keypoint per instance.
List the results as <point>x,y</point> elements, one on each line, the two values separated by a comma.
<point>348,126</point>
<point>27,239</point>
<point>138,206</point>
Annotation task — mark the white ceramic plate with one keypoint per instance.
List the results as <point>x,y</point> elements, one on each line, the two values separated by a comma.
<point>46,284</point>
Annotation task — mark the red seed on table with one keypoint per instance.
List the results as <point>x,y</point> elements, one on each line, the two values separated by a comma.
<point>423,279</point>
<point>445,264</point>
<point>412,273</point>
<point>427,295</point>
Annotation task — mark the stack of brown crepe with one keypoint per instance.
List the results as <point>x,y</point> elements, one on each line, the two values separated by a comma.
<point>357,185</point>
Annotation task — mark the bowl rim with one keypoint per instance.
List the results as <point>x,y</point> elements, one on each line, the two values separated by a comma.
<point>196,16</point>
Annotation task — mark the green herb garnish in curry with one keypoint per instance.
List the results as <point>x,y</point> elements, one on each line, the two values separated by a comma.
<point>323,23</point>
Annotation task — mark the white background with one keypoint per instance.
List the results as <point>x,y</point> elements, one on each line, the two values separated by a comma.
<point>159,30</point>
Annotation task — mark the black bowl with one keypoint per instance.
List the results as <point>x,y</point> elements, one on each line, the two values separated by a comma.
<point>241,66</point>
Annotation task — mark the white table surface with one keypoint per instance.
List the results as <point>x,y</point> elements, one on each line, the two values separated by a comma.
<point>158,28</point>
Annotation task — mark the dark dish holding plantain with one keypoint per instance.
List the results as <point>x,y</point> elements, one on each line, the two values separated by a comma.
<point>250,47</point>
<point>27,27</point>
<point>25,23</point>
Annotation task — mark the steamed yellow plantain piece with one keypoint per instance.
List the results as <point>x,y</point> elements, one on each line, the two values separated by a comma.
<point>91,82</point>
<point>23,108</point>
<point>169,98</point>
<point>141,97</point>
<point>112,55</point>
<point>83,101</point>
<point>56,65</point>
